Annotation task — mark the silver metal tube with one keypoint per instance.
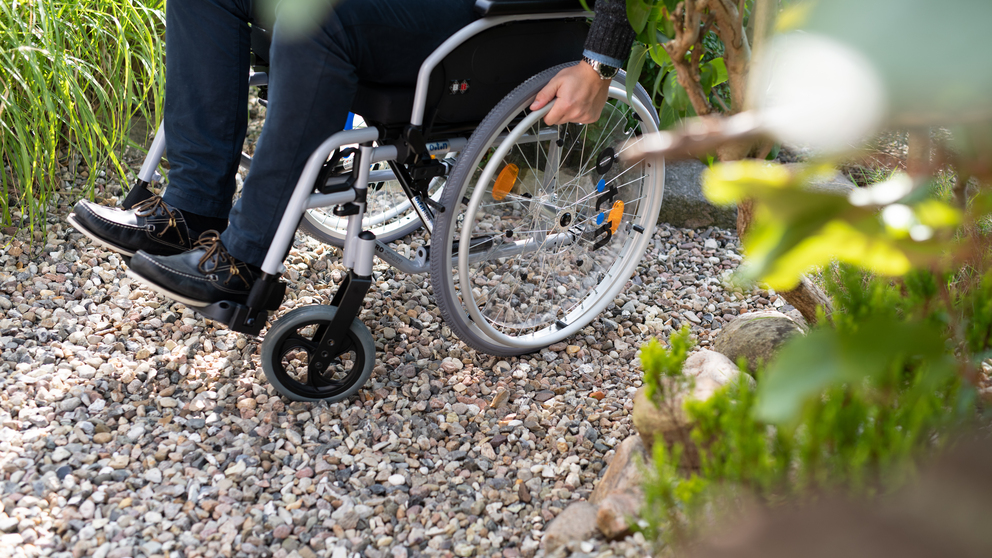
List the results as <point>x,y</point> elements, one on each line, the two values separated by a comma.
<point>258,78</point>
<point>374,176</point>
<point>355,221</point>
<point>327,200</point>
<point>406,265</point>
<point>507,249</point>
<point>148,166</point>
<point>384,153</point>
<point>301,194</point>
<point>364,250</point>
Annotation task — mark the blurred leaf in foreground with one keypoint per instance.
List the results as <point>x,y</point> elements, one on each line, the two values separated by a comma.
<point>885,228</point>
<point>828,357</point>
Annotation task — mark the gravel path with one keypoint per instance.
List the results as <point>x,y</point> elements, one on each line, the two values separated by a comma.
<point>131,427</point>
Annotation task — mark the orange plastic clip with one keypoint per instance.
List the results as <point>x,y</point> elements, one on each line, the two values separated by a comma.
<point>616,213</point>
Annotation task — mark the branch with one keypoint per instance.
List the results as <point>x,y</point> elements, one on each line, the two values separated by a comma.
<point>689,35</point>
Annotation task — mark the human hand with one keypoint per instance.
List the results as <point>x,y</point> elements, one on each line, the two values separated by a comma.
<point>579,92</point>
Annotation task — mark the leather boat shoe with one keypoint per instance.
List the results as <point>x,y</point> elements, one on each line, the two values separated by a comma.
<point>199,277</point>
<point>152,226</point>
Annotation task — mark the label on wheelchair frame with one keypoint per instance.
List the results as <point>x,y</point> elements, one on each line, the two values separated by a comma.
<point>459,86</point>
<point>437,146</point>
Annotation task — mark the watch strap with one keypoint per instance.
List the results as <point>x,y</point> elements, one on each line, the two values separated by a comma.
<point>605,71</point>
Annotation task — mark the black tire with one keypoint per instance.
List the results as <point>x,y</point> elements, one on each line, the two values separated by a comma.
<point>591,297</point>
<point>291,340</point>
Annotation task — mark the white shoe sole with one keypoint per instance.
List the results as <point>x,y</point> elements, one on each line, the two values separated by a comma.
<point>102,242</point>
<point>166,292</point>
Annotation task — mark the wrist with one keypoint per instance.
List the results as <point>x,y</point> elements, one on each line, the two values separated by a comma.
<point>604,71</point>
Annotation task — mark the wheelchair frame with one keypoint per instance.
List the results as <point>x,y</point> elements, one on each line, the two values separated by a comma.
<point>360,246</point>
<point>358,252</point>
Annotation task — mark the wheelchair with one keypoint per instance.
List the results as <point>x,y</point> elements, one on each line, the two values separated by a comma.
<point>534,229</point>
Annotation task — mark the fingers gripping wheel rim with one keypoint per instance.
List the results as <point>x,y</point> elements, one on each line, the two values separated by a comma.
<point>553,249</point>
<point>289,347</point>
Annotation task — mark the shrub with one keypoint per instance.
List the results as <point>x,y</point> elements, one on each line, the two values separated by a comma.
<point>805,430</point>
<point>72,75</point>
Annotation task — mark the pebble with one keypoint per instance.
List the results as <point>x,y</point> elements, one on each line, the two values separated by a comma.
<point>158,430</point>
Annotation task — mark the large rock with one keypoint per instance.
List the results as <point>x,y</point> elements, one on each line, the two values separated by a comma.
<point>666,419</point>
<point>756,337</point>
<point>684,203</point>
<point>577,522</point>
<point>624,471</point>
<point>618,512</point>
<point>686,206</point>
<point>834,183</point>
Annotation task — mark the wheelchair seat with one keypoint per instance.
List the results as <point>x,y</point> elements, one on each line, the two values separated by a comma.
<point>383,104</point>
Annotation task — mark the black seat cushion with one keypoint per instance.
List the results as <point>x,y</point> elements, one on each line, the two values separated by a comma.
<point>384,104</point>
<point>510,7</point>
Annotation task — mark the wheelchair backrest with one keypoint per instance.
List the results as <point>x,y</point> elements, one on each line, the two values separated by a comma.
<point>475,76</point>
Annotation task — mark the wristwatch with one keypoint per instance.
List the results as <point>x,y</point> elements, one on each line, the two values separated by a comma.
<point>605,71</point>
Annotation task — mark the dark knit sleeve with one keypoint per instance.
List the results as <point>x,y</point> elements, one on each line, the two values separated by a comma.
<point>611,35</point>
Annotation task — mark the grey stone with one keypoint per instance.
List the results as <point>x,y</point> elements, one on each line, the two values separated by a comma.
<point>836,183</point>
<point>685,205</point>
<point>577,523</point>
<point>615,512</point>
<point>756,337</point>
<point>624,471</point>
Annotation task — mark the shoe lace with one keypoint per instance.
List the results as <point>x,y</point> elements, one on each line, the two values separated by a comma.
<point>149,207</point>
<point>217,254</point>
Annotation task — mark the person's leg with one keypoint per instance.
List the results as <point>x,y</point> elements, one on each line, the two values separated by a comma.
<point>312,83</point>
<point>311,86</point>
<point>208,47</point>
<point>207,50</point>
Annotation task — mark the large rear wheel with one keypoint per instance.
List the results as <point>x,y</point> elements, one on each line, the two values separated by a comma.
<point>554,219</point>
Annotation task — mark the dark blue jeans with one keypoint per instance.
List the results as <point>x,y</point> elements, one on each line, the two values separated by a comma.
<point>312,82</point>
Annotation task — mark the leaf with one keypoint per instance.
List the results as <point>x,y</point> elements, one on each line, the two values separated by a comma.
<point>658,81</point>
<point>638,12</point>
<point>729,183</point>
<point>773,153</point>
<point>667,115</point>
<point>838,240</point>
<point>803,368</point>
<point>720,69</point>
<point>660,56</point>
<point>793,17</point>
<point>937,214</point>
<point>675,94</point>
<point>827,357</point>
<point>706,76</point>
<point>635,65</point>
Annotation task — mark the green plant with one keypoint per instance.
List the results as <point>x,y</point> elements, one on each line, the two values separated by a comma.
<point>662,364</point>
<point>859,432</point>
<point>72,75</point>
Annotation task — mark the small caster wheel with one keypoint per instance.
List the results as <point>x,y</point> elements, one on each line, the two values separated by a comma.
<point>289,347</point>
